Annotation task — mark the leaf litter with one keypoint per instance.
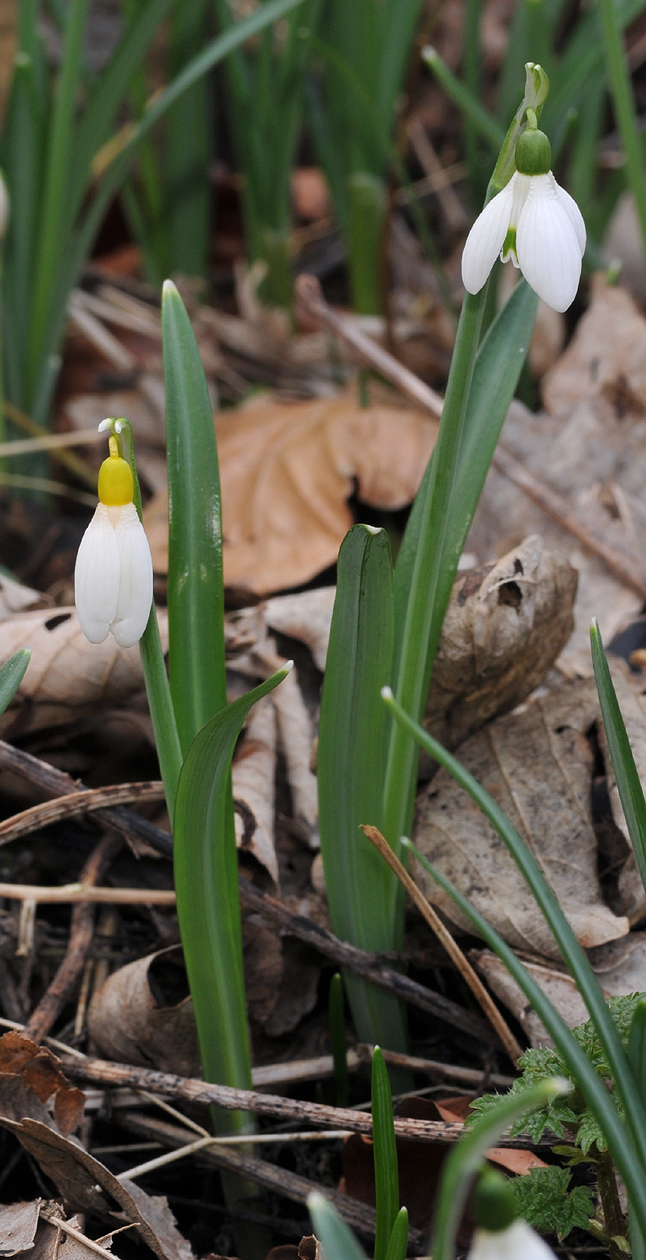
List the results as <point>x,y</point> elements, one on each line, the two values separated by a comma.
<point>509,624</point>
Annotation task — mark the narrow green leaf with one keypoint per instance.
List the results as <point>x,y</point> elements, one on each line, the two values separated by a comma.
<point>11,675</point>
<point>637,1045</point>
<point>398,1243</point>
<point>195,587</point>
<point>573,955</point>
<point>385,1155</point>
<point>466,1157</point>
<point>338,1040</point>
<point>351,755</point>
<point>337,1240</point>
<point>208,901</point>
<point>629,785</point>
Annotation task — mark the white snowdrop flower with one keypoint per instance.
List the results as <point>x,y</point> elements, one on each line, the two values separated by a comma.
<point>517,1242</point>
<point>535,223</point>
<point>113,578</point>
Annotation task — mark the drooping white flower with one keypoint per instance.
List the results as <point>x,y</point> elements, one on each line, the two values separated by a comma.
<point>517,1242</point>
<point>113,578</point>
<point>534,222</point>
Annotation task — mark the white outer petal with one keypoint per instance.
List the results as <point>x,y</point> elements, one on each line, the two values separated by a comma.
<point>485,240</point>
<point>574,215</point>
<point>517,1242</point>
<point>547,246</point>
<point>96,577</point>
<point>136,579</point>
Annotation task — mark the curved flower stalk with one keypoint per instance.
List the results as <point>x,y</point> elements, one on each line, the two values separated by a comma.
<point>534,222</point>
<point>113,578</point>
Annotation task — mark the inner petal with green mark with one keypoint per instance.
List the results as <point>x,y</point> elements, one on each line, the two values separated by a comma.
<point>509,247</point>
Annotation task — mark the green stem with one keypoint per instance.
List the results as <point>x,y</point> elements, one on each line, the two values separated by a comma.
<point>619,76</point>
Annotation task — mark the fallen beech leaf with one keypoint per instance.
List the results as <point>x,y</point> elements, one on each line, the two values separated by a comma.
<point>306,617</point>
<point>538,765</point>
<point>66,676</point>
<point>253,773</point>
<point>287,471</point>
<point>505,626</point>
<point>516,1161</point>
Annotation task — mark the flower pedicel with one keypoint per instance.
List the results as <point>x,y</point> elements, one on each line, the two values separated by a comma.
<point>532,221</point>
<point>113,578</point>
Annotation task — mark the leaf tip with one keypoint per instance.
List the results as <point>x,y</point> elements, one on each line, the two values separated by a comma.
<point>386,693</point>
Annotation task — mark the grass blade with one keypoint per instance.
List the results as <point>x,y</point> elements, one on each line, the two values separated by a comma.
<point>385,1155</point>
<point>338,1040</point>
<point>195,587</point>
<point>337,1240</point>
<point>398,1243</point>
<point>12,674</point>
<point>352,735</point>
<point>208,902</point>
<point>629,785</point>
<point>572,953</point>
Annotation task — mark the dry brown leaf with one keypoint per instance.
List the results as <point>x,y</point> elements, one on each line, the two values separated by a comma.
<point>85,1184</point>
<point>31,1083</point>
<point>632,702</point>
<point>18,1225</point>
<point>253,774</point>
<point>287,471</point>
<point>143,1014</point>
<point>538,766</point>
<point>591,449</point>
<point>295,730</point>
<point>306,617</point>
<point>557,985</point>
<point>505,625</point>
<point>66,676</point>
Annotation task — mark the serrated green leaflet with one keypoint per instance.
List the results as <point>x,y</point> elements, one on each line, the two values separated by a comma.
<point>621,754</point>
<point>351,761</point>
<point>547,1204</point>
<point>208,902</point>
<point>11,676</point>
<point>195,590</point>
<point>465,1160</point>
<point>385,1155</point>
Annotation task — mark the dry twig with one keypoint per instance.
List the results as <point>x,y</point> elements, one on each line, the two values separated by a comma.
<point>73,803</point>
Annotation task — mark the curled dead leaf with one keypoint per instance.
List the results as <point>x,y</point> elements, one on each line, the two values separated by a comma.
<point>538,765</point>
<point>505,626</point>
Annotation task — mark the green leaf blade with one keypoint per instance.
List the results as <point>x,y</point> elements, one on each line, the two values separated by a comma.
<point>351,766</point>
<point>385,1155</point>
<point>195,584</point>
<point>11,676</point>
<point>208,903</point>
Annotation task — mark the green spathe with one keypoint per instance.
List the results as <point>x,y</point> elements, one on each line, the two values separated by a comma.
<point>494,1204</point>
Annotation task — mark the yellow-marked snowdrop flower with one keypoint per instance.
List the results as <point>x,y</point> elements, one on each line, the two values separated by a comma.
<point>113,579</point>
<point>500,1234</point>
<point>532,221</point>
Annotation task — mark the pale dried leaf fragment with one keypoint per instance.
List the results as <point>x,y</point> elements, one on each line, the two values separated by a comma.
<point>538,766</point>
<point>253,775</point>
<point>67,677</point>
<point>504,627</point>
<point>556,985</point>
<point>632,702</point>
<point>295,729</point>
<point>18,1225</point>
<point>306,617</point>
<point>287,472</point>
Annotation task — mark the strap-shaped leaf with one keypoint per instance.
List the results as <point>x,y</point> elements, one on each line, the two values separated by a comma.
<point>208,902</point>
